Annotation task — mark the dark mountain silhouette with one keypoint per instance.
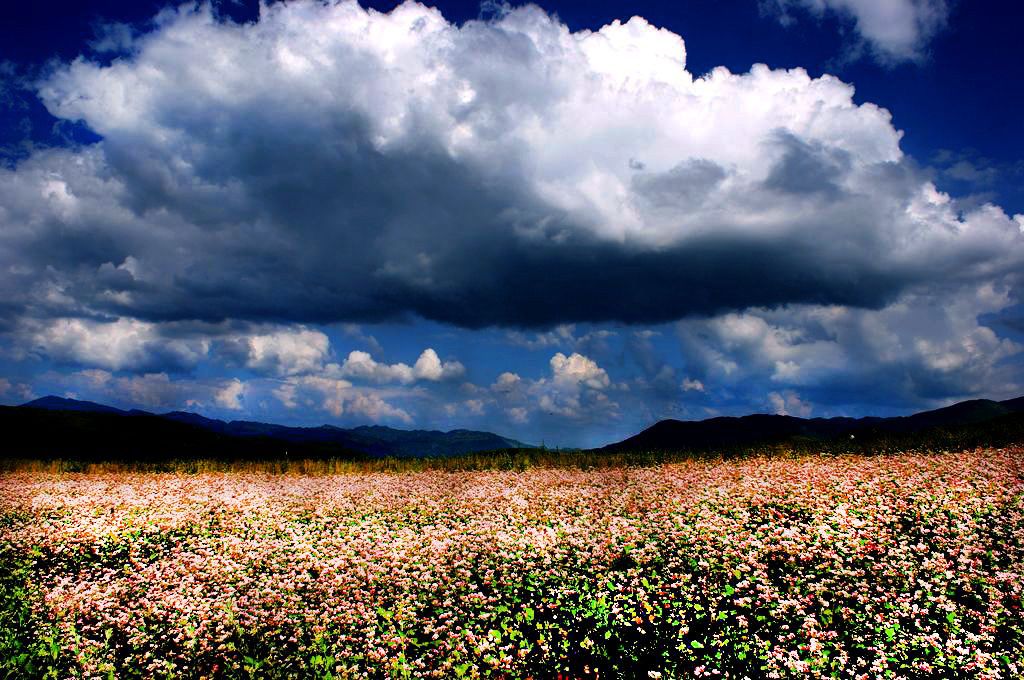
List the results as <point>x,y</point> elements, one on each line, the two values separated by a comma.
<point>52,403</point>
<point>68,428</point>
<point>761,429</point>
<point>60,427</point>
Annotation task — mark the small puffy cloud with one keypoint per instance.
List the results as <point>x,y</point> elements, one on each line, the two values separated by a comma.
<point>286,394</point>
<point>788,403</point>
<point>472,407</point>
<point>507,382</point>
<point>574,390</point>
<point>896,30</point>
<point>578,369</point>
<point>229,396</point>
<point>518,414</point>
<point>286,351</point>
<point>689,384</point>
<point>430,367</point>
<point>362,366</point>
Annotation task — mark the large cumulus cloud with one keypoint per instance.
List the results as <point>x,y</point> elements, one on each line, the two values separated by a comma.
<point>330,163</point>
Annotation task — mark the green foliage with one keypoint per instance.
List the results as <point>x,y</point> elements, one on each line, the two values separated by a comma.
<point>29,646</point>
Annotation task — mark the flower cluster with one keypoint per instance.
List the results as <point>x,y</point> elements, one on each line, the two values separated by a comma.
<point>901,566</point>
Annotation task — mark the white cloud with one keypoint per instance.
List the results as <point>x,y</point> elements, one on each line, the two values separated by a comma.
<point>689,384</point>
<point>472,407</point>
<point>577,369</point>
<point>518,414</point>
<point>362,366</point>
<point>430,367</point>
<point>316,394</point>
<point>788,403</point>
<point>574,390</point>
<point>507,382</point>
<point>122,344</point>
<point>155,391</point>
<point>96,377</point>
<point>898,30</point>
<point>230,395</point>
<point>286,394</point>
<point>341,398</point>
<point>924,349</point>
<point>287,351</point>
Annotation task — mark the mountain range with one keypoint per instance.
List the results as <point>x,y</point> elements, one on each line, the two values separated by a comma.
<point>57,426</point>
<point>60,427</point>
<point>760,429</point>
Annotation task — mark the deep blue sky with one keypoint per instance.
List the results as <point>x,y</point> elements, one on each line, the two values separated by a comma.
<point>825,333</point>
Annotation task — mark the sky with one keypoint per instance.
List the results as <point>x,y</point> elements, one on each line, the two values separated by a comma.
<point>557,222</point>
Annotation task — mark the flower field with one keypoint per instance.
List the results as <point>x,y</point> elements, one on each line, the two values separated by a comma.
<point>902,566</point>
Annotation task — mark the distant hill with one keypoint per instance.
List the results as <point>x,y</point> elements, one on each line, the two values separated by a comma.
<point>761,429</point>
<point>61,427</point>
<point>52,403</point>
<point>57,427</point>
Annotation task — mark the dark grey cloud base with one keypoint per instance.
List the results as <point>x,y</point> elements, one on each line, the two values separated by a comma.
<point>301,230</point>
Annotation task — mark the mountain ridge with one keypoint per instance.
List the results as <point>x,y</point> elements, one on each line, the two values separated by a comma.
<point>192,431</point>
<point>760,428</point>
<point>56,426</point>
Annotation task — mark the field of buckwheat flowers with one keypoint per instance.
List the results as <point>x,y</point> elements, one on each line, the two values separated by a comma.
<point>894,566</point>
